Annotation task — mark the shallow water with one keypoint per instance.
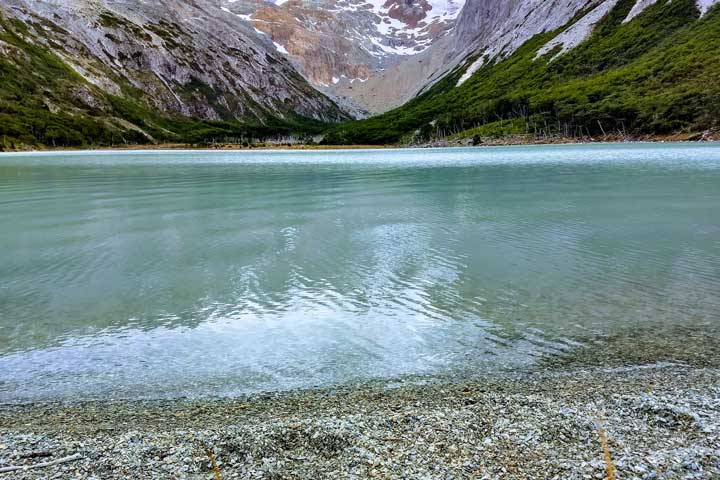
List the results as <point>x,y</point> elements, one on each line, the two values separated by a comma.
<point>165,274</point>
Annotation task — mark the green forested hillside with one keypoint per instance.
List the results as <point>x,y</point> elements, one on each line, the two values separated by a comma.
<point>657,74</point>
<point>44,102</point>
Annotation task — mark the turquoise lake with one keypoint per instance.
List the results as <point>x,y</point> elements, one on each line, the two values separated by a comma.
<point>194,273</point>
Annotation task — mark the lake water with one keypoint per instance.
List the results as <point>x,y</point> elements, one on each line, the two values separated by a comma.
<point>165,274</point>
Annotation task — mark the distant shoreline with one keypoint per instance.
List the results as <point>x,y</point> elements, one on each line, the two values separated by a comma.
<point>520,140</point>
<point>219,147</point>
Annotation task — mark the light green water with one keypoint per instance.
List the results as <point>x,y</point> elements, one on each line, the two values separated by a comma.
<point>201,273</point>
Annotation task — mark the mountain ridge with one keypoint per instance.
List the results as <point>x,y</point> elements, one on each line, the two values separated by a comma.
<point>146,72</point>
<point>91,72</point>
<point>656,73</point>
<point>338,45</point>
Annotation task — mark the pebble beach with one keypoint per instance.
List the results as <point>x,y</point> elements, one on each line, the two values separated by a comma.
<point>658,421</point>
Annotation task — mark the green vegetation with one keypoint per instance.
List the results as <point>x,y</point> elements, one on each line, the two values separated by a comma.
<point>44,102</point>
<point>657,74</point>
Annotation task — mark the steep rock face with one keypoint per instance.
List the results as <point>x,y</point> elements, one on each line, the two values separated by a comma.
<point>340,44</point>
<point>484,28</point>
<point>409,12</point>
<point>578,32</point>
<point>327,52</point>
<point>239,59</point>
<point>590,78</point>
<point>181,57</point>
<point>501,27</point>
<point>489,30</point>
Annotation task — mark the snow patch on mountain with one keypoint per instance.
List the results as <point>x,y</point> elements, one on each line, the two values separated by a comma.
<point>435,10</point>
<point>638,8</point>
<point>382,49</point>
<point>494,29</point>
<point>704,5</point>
<point>247,18</point>
<point>577,33</point>
<point>474,67</point>
<point>281,49</point>
<point>405,28</point>
<point>642,5</point>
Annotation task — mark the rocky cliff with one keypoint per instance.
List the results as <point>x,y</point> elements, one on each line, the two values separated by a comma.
<point>488,30</point>
<point>560,69</point>
<point>339,45</point>
<point>260,61</point>
<point>188,58</point>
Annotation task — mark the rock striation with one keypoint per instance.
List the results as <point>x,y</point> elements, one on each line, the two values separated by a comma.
<point>182,57</point>
<point>339,45</point>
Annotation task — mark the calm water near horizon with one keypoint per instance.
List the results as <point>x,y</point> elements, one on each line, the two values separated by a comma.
<point>166,274</point>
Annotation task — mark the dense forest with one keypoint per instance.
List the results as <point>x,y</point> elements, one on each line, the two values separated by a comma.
<point>657,74</point>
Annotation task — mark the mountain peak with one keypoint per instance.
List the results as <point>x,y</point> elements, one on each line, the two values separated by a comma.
<point>338,44</point>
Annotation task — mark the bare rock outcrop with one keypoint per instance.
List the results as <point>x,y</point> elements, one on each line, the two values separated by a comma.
<point>182,57</point>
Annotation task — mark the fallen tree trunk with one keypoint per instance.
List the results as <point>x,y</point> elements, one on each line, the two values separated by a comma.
<point>14,468</point>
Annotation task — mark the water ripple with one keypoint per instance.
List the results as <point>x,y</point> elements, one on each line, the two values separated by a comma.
<point>183,273</point>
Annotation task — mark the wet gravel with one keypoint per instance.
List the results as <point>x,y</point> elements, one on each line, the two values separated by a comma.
<point>660,422</point>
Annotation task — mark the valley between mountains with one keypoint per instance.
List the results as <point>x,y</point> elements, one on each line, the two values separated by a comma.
<point>94,73</point>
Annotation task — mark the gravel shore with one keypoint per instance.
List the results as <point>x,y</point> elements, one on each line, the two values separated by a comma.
<point>653,422</point>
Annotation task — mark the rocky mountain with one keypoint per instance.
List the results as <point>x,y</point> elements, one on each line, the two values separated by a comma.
<point>250,67</point>
<point>484,31</point>
<point>177,58</point>
<point>559,69</point>
<point>374,55</point>
<point>338,45</point>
